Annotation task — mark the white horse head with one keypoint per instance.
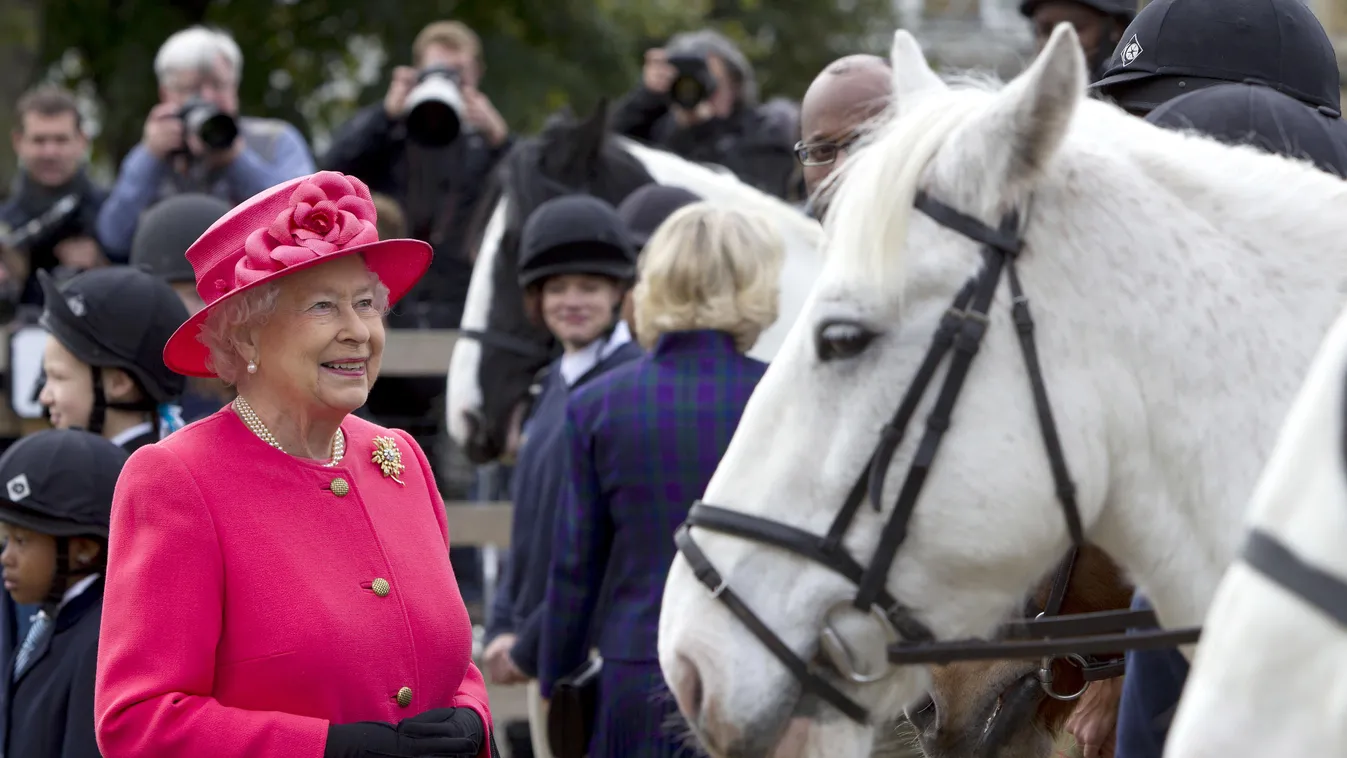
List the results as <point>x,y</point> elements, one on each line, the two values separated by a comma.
<point>1177,303</point>
<point>490,370</point>
<point>1269,677</point>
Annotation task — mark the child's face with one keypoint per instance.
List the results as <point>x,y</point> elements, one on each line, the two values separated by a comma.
<point>29,561</point>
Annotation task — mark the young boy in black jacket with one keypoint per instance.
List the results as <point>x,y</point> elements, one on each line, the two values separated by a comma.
<point>54,512</point>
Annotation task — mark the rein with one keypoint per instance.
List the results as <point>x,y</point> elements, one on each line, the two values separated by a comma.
<point>1077,637</point>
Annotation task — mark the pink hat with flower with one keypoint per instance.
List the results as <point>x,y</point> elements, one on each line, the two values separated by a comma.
<point>281,230</point>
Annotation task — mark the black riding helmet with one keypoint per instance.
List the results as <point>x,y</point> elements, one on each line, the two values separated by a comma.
<point>644,210</point>
<point>575,234</point>
<point>1263,117</point>
<point>117,317</point>
<point>60,482</point>
<point>1174,47</point>
<point>170,227</point>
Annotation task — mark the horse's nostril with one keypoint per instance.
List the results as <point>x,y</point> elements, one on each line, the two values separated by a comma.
<point>686,684</point>
<point>921,713</point>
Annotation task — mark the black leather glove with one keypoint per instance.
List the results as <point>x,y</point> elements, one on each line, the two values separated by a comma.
<point>437,733</point>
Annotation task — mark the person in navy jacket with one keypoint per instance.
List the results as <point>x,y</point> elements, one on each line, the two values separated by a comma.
<point>641,443</point>
<point>576,264</point>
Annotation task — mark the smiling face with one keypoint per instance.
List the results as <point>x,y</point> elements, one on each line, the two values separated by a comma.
<point>68,393</point>
<point>579,308</point>
<point>321,349</point>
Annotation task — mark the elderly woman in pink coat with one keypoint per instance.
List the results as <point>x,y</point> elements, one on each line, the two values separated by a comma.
<point>278,580</point>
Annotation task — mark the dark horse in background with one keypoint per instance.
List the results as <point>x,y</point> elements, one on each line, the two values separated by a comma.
<point>569,156</point>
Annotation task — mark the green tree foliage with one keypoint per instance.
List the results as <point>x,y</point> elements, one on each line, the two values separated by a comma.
<point>313,62</point>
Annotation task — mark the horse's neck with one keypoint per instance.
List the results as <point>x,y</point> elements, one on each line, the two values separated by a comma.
<point>1196,306</point>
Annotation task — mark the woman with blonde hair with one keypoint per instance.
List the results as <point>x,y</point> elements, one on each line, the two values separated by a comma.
<point>643,441</point>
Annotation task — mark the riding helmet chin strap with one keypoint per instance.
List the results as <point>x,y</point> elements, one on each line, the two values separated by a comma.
<point>99,413</point>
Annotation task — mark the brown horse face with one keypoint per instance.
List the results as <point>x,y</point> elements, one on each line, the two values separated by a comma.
<point>983,710</point>
<point>998,709</point>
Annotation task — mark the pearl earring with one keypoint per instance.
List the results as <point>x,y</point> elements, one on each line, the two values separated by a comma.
<point>252,367</point>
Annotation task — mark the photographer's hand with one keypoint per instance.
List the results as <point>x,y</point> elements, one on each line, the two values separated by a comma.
<point>395,102</point>
<point>163,131</point>
<point>701,114</point>
<point>484,116</point>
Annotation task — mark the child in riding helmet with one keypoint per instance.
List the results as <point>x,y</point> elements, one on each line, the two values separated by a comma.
<point>103,363</point>
<point>54,513</point>
<point>576,265</point>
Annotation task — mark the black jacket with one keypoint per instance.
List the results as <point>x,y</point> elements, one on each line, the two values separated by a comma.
<point>31,201</point>
<point>757,144</point>
<point>438,190</point>
<point>49,712</point>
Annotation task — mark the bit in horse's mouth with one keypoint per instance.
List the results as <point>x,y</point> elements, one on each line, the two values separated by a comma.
<point>1014,707</point>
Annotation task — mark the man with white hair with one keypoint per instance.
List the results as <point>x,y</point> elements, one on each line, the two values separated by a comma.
<point>194,139</point>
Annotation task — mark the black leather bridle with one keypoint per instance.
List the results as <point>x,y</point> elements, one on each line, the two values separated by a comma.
<point>1049,636</point>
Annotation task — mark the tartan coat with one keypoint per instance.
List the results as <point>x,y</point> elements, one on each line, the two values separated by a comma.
<point>254,597</point>
<point>643,441</point>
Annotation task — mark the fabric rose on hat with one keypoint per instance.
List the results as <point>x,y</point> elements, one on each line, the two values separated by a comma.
<point>326,213</point>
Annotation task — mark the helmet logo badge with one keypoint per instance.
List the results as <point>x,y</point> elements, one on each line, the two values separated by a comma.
<point>76,305</point>
<point>18,488</point>
<point>1132,51</point>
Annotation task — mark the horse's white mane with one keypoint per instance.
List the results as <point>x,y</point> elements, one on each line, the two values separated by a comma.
<point>866,225</point>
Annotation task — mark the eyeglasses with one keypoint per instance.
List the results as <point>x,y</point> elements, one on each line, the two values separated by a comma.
<point>822,153</point>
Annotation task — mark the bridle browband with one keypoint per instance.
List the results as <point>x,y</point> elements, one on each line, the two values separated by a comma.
<point>1049,636</point>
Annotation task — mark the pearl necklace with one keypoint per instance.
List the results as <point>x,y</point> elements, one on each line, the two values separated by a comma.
<point>254,424</point>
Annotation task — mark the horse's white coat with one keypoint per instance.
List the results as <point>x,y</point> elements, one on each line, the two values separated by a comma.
<point>1270,675</point>
<point>1180,289</point>
<point>462,390</point>
<point>801,234</point>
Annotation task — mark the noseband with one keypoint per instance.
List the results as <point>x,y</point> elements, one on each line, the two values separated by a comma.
<point>1049,636</point>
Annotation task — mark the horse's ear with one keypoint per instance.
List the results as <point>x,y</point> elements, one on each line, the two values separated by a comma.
<point>912,75</point>
<point>1013,141</point>
<point>593,132</point>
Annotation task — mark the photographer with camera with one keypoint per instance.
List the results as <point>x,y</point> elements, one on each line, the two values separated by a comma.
<point>195,140</point>
<point>49,222</point>
<point>430,145</point>
<point>698,98</point>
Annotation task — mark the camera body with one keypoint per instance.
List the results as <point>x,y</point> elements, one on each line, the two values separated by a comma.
<point>693,83</point>
<point>435,107</point>
<point>216,129</point>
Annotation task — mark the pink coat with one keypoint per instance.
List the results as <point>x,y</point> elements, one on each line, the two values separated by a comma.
<point>253,597</point>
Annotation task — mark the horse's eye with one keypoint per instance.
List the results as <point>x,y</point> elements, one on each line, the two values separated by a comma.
<point>842,339</point>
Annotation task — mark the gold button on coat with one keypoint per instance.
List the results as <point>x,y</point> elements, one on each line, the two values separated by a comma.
<point>340,487</point>
<point>404,697</point>
<point>381,588</point>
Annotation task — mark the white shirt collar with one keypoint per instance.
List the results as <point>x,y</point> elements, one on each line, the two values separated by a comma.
<point>126,435</point>
<point>577,364</point>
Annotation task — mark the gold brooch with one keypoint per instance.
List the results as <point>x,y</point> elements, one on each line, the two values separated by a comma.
<point>389,458</point>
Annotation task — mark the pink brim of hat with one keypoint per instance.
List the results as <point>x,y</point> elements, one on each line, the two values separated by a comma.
<point>399,264</point>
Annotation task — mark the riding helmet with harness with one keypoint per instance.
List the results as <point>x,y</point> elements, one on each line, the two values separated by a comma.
<point>1174,47</point>
<point>59,482</point>
<point>644,210</point>
<point>168,229</point>
<point>575,234</point>
<point>120,317</point>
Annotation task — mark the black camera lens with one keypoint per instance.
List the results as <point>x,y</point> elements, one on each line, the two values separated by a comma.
<point>215,128</point>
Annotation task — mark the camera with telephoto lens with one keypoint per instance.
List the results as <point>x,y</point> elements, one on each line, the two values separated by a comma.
<point>215,128</point>
<point>435,107</point>
<point>693,83</point>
